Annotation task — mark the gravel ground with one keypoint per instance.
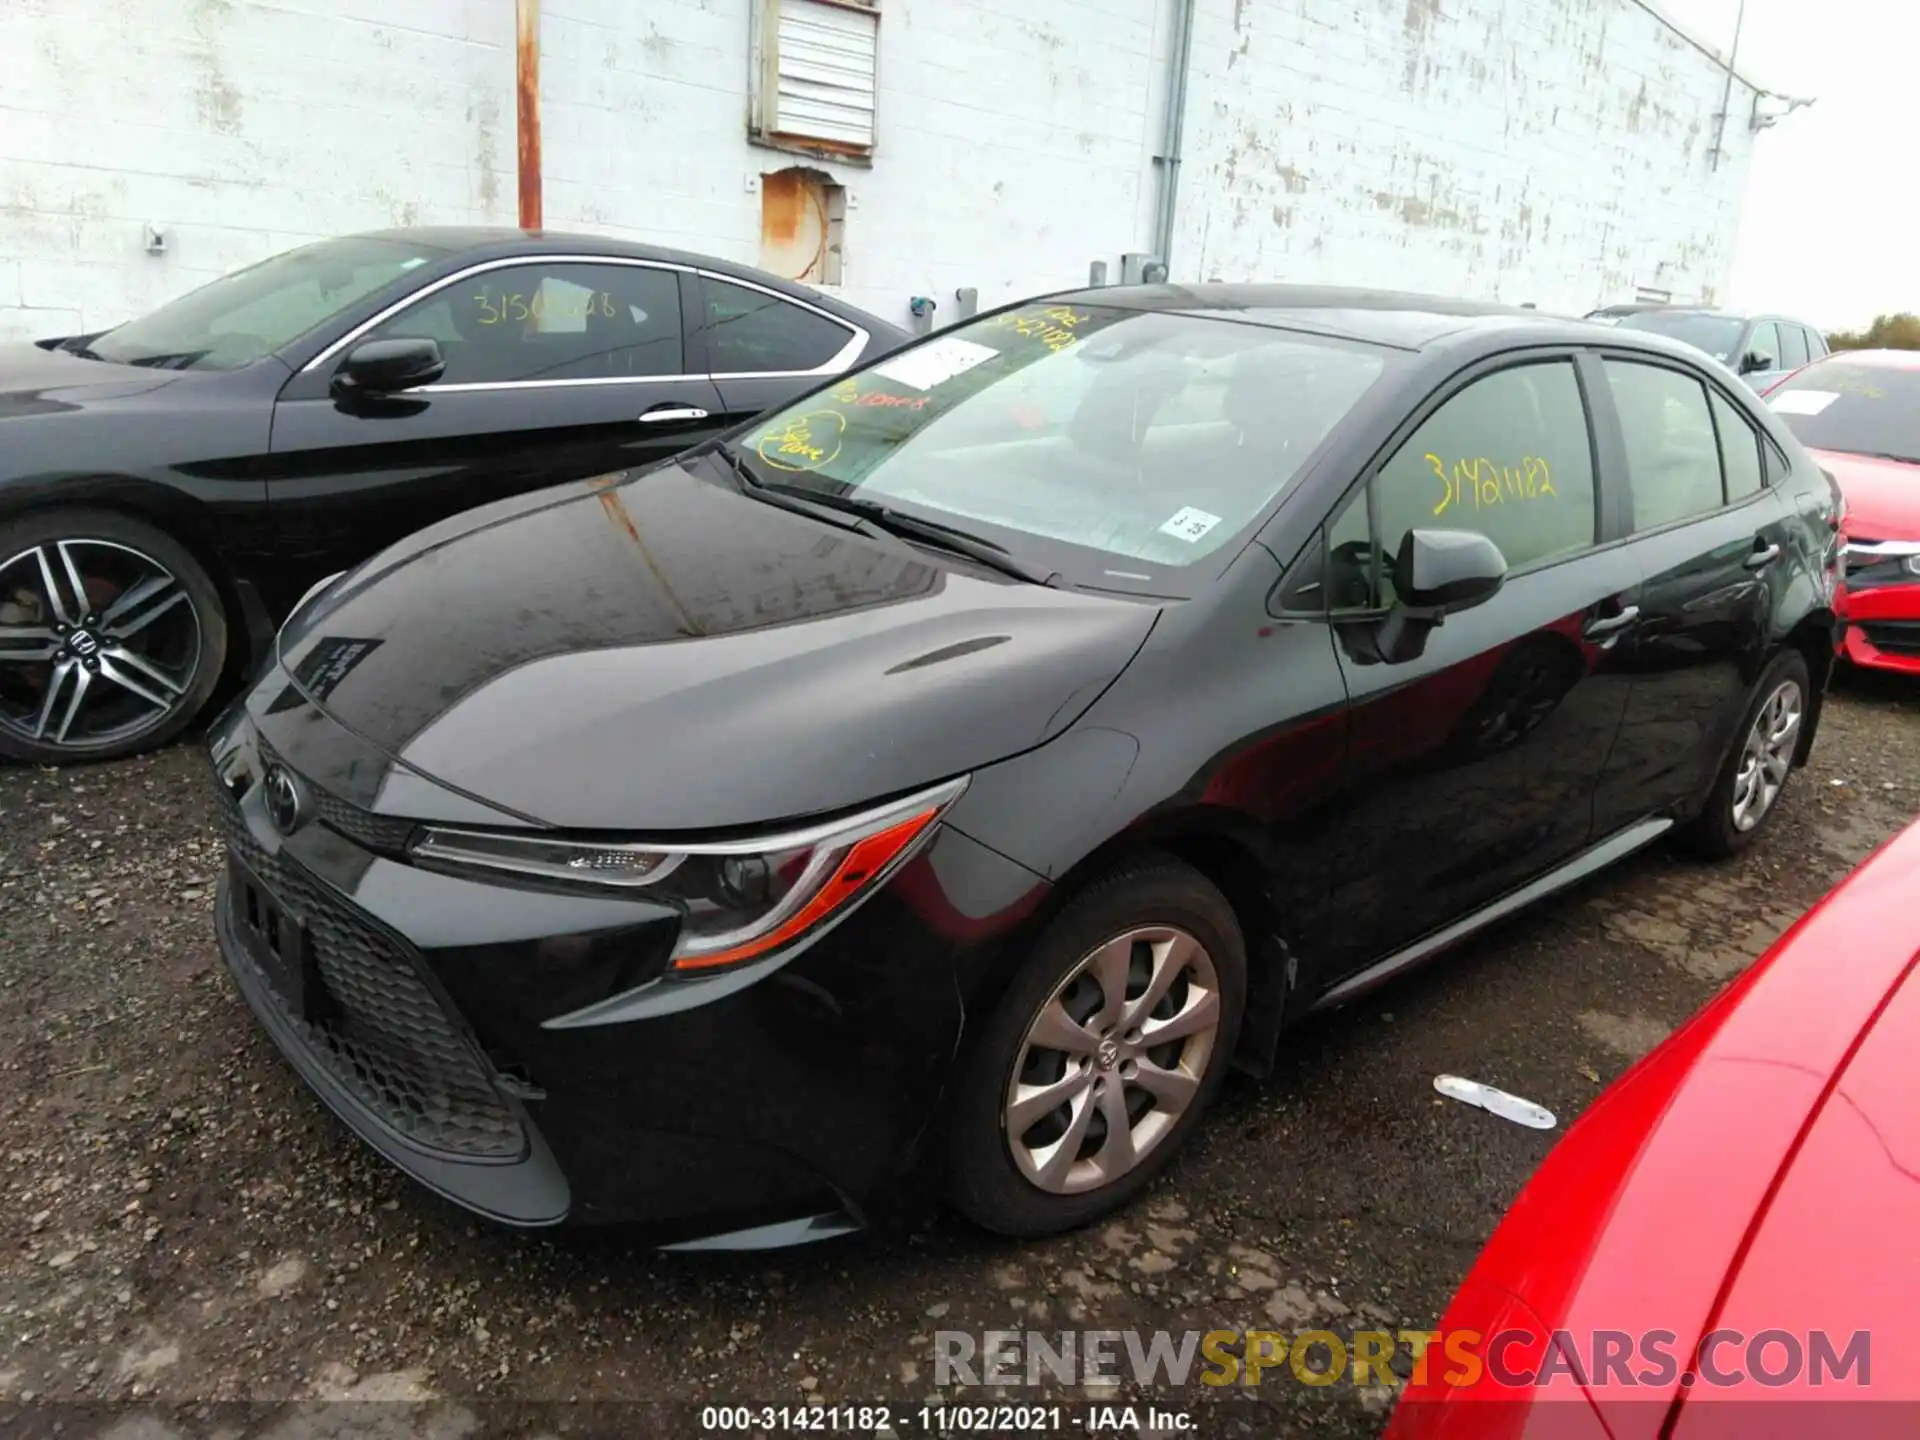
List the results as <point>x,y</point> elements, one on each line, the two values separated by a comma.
<point>183,1223</point>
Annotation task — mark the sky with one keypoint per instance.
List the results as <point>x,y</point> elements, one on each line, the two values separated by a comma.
<point>1831,230</point>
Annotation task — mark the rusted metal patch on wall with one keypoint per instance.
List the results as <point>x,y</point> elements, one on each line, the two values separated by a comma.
<point>527,95</point>
<point>802,220</point>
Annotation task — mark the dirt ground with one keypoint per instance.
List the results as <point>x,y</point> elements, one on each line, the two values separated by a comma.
<point>184,1223</point>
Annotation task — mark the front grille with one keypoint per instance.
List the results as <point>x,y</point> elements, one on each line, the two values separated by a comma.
<point>1896,637</point>
<point>383,833</point>
<point>390,1043</point>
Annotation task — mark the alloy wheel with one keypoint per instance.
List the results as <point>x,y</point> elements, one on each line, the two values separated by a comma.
<point>1113,1059</point>
<point>99,643</point>
<point>1767,757</point>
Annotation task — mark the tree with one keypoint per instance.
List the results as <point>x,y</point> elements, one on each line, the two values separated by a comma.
<point>1888,332</point>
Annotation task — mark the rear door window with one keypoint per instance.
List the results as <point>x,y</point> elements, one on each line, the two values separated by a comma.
<point>1673,451</point>
<point>1509,457</point>
<point>1765,341</point>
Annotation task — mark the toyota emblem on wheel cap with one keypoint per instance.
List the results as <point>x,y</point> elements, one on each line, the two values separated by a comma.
<point>285,803</point>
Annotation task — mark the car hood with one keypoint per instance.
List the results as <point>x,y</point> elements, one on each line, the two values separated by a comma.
<point>1818,1265</point>
<point>1636,1222</point>
<point>36,381</point>
<point>1883,496</point>
<point>657,651</point>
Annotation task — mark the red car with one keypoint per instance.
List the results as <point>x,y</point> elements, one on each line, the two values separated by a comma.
<point>1727,1242</point>
<point>1859,412</point>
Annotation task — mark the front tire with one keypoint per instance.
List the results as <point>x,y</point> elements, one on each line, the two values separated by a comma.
<point>1747,791</point>
<point>1100,1059</point>
<point>112,637</point>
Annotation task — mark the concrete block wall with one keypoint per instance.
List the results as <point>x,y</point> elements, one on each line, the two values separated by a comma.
<point>1546,150</point>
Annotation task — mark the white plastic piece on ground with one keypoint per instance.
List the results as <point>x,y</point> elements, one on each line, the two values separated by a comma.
<point>1495,1102</point>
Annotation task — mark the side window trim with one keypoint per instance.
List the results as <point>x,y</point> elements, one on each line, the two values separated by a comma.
<point>1436,399</point>
<point>857,335</point>
<point>425,292</point>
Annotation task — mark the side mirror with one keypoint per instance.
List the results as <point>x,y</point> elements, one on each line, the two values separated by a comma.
<point>386,367</point>
<point>1755,360</point>
<point>1437,571</point>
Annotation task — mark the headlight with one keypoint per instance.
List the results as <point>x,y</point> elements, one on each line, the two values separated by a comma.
<point>1913,564</point>
<point>740,899</point>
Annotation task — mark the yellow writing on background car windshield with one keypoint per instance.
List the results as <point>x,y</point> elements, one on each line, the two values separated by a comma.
<point>1482,482</point>
<point>804,442</point>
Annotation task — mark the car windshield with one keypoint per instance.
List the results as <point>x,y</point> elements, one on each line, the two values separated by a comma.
<point>1715,334</point>
<point>1106,445</point>
<point>1855,408</point>
<point>254,312</point>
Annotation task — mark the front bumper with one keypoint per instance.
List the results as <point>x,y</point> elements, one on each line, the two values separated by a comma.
<point>1883,627</point>
<point>779,1103</point>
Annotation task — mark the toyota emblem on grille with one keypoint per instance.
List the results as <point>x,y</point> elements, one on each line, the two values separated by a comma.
<point>285,802</point>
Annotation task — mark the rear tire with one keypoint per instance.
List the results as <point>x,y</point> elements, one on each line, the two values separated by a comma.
<point>1747,791</point>
<point>1163,936</point>
<point>112,637</point>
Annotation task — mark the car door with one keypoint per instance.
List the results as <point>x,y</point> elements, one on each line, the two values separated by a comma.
<point>555,370</point>
<point>1472,768</point>
<point>1711,541</point>
<point>761,349</point>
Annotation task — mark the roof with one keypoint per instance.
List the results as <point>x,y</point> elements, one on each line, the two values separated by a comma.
<point>1383,317</point>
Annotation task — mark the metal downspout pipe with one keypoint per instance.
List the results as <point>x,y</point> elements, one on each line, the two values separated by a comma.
<point>1169,157</point>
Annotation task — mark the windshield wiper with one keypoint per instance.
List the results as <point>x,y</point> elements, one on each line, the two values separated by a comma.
<point>786,498</point>
<point>976,548</point>
<point>873,519</point>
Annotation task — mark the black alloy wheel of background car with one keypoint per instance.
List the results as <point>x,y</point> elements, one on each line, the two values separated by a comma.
<point>962,767</point>
<point>169,488</point>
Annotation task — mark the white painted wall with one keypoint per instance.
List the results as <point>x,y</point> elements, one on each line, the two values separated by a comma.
<point>1552,151</point>
<point>1544,150</point>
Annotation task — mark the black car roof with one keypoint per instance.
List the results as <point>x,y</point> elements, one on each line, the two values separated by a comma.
<point>490,242</point>
<point>1382,317</point>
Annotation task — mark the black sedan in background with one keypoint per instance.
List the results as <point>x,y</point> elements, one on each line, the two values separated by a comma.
<point>975,759</point>
<point>169,488</point>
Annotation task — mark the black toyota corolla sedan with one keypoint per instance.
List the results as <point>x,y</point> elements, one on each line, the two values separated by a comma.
<point>169,488</point>
<point>956,772</point>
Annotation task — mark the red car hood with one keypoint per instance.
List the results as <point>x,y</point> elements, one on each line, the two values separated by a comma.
<point>1883,496</point>
<point>1743,1175</point>
<point>1819,1263</point>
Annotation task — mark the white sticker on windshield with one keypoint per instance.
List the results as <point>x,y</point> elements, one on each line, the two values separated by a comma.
<point>1190,524</point>
<point>413,263</point>
<point>935,362</point>
<point>1803,402</point>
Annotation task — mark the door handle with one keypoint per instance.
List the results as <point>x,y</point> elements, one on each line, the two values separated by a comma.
<point>672,415</point>
<point>1760,559</point>
<point>1612,624</point>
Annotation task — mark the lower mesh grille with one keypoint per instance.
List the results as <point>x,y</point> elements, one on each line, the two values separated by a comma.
<point>390,1042</point>
<point>1896,637</point>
